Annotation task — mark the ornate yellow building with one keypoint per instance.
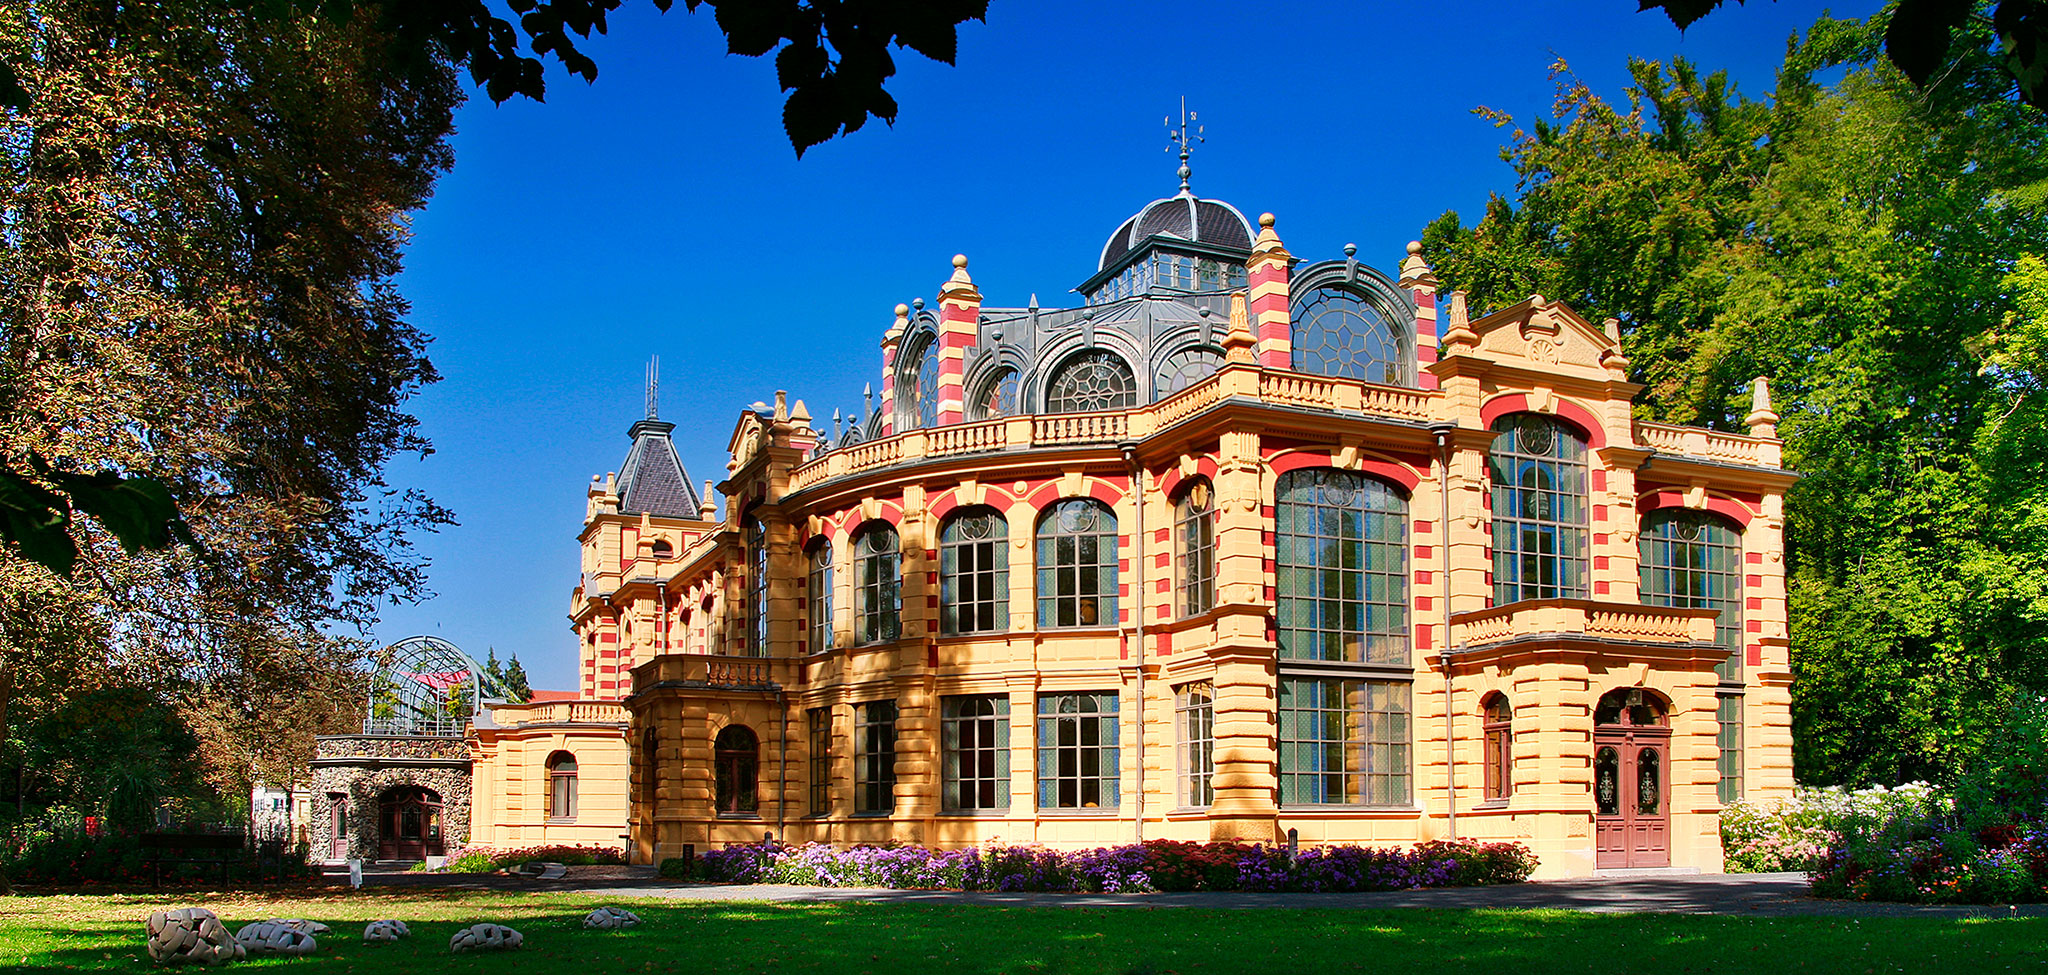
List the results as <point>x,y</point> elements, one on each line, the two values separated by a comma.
<point>1238,547</point>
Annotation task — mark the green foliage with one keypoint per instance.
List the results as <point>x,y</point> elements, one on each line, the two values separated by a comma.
<point>516,686</point>
<point>674,868</point>
<point>1854,241</point>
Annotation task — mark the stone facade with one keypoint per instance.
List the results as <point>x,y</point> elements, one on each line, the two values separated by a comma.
<point>365,768</point>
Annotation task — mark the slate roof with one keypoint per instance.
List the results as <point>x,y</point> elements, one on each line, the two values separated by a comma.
<point>652,480</point>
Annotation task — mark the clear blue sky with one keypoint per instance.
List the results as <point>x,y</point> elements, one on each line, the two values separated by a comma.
<point>660,211</point>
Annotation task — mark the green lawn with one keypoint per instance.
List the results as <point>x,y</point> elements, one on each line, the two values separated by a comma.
<point>104,932</point>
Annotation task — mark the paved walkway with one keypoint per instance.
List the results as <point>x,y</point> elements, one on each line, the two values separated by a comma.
<point>1754,895</point>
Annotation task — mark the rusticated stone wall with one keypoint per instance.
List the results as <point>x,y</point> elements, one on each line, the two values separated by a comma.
<point>364,767</point>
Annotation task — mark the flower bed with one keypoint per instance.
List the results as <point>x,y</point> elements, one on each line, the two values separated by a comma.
<point>483,859</point>
<point>1797,833</point>
<point>1151,866</point>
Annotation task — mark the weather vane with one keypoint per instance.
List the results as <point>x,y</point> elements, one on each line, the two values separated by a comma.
<point>653,388</point>
<point>1183,140</point>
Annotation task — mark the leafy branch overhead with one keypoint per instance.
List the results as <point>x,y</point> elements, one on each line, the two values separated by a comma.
<point>831,56</point>
<point>36,512</point>
<point>1917,40</point>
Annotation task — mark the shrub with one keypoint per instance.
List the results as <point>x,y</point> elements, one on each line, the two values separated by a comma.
<point>674,868</point>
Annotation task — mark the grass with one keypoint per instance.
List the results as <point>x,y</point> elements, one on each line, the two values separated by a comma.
<point>64,933</point>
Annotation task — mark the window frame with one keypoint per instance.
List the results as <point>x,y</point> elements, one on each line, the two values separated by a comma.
<point>734,792</point>
<point>1497,731</point>
<point>1194,712</point>
<point>878,585</point>
<point>983,722</point>
<point>757,587</point>
<point>818,736</point>
<point>1194,548</point>
<point>987,583</point>
<point>1316,571</point>
<point>1664,582</point>
<point>1056,573</point>
<point>874,758</point>
<point>1567,458</point>
<point>1362,737</point>
<point>1087,714</point>
<point>563,787</point>
<point>1068,400</point>
<point>1311,341</point>
<point>1728,742</point>
<point>818,593</point>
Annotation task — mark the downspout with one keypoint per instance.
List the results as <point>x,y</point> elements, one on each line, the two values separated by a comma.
<point>1135,633</point>
<point>782,778</point>
<point>1442,432</point>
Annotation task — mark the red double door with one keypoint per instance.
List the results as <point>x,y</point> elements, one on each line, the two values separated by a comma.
<point>1631,798</point>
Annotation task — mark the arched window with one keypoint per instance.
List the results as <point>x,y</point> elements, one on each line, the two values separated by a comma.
<point>1338,332</point>
<point>1341,568</point>
<point>1186,368</point>
<point>736,758</point>
<point>1093,379</point>
<point>917,381</point>
<point>928,384</point>
<point>1538,468</point>
<point>877,584</point>
<point>1194,707</point>
<point>1077,565</point>
<point>664,550</point>
<point>561,786</point>
<point>757,588</point>
<point>1194,532</point>
<point>974,573</point>
<point>818,595</point>
<point>995,397</point>
<point>1693,560</point>
<point>1500,745</point>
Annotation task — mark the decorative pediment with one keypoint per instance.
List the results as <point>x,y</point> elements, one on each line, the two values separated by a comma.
<point>748,437</point>
<point>1546,335</point>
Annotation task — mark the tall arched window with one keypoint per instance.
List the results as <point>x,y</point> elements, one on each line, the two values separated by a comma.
<point>1693,560</point>
<point>974,572</point>
<point>757,588</point>
<point>917,381</point>
<point>1194,532</point>
<point>1186,368</point>
<point>877,584</point>
<point>995,397</point>
<point>561,786</point>
<point>1499,731</point>
<point>1341,568</point>
<point>736,760</point>
<point>1077,565</point>
<point>1093,379</point>
<point>1338,332</point>
<point>818,596</point>
<point>1538,468</point>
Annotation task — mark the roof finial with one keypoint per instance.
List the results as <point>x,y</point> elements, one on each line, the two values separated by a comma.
<point>1186,142</point>
<point>654,388</point>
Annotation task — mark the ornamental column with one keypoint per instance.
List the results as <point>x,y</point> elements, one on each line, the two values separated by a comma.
<point>1266,274</point>
<point>959,326</point>
<point>1420,283</point>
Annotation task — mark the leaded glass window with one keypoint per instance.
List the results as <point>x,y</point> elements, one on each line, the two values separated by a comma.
<point>1079,764</point>
<point>1077,565</point>
<point>819,596</point>
<point>877,592</point>
<point>996,396</point>
<point>1338,332</point>
<point>874,757</point>
<point>1344,741</point>
<point>928,384</point>
<point>1194,533</point>
<point>974,573</point>
<point>1693,560</point>
<point>1341,568</point>
<point>1728,741</point>
<point>1195,723</point>
<point>975,749</point>
<point>1091,380</point>
<point>757,588</point>
<point>1186,368</point>
<point>1538,469</point>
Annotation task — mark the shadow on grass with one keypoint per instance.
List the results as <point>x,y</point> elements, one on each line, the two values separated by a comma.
<point>880,939</point>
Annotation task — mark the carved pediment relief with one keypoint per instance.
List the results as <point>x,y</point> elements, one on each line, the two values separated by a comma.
<point>1545,335</point>
<point>748,437</point>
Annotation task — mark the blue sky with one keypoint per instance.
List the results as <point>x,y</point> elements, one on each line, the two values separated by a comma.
<point>660,211</point>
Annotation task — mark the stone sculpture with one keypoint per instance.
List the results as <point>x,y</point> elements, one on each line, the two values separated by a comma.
<point>314,928</point>
<point>190,935</point>
<point>485,937</point>
<point>275,938</point>
<point>380,931</point>
<point>611,919</point>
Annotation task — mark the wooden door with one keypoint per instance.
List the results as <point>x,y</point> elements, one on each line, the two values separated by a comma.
<point>337,806</point>
<point>1631,814</point>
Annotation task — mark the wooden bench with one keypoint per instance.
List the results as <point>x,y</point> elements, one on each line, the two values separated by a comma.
<point>215,850</point>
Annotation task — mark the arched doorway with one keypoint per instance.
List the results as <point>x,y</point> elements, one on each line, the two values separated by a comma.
<point>409,824</point>
<point>1631,780</point>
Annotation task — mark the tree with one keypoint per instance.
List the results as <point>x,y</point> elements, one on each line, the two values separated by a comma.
<point>1920,36</point>
<point>1859,243</point>
<point>516,687</point>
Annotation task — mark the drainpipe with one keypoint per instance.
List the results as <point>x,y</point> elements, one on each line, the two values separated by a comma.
<point>782,778</point>
<point>1135,633</point>
<point>1443,432</point>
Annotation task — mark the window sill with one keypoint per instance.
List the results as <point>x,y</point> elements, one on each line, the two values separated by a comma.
<point>1350,809</point>
<point>1489,805</point>
<point>1187,812</point>
<point>740,816</point>
<point>873,814</point>
<point>975,814</point>
<point>1109,813</point>
<point>559,821</point>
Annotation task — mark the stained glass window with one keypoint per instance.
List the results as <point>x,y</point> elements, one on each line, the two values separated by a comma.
<point>1091,380</point>
<point>1338,332</point>
<point>1538,468</point>
<point>974,573</point>
<point>1077,565</point>
<point>1693,560</point>
<point>1341,568</point>
<point>1343,741</point>
<point>1186,368</point>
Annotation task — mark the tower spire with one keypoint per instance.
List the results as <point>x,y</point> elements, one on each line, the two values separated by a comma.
<point>654,388</point>
<point>1186,141</point>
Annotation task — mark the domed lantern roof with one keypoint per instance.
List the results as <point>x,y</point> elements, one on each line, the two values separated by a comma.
<point>1182,217</point>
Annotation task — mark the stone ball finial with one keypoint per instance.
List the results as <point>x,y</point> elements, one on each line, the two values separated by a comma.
<point>960,260</point>
<point>1350,250</point>
<point>902,310</point>
<point>1415,247</point>
<point>917,303</point>
<point>1267,220</point>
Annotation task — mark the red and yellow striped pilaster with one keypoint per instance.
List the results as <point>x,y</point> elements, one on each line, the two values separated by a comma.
<point>1420,283</point>
<point>959,326</point>
<point>1266,276</point>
